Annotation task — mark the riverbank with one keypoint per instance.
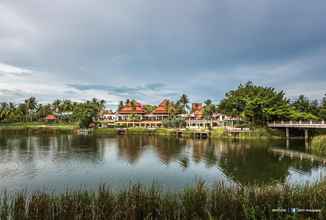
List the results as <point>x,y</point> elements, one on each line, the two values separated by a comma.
<point>36,127</point>
<point>197,202</point>
<point>217,133</point>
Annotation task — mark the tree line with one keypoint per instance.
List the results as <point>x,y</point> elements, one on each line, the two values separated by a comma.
<point>252,103</point>
<point>259,105</point>
<point>68,111</point>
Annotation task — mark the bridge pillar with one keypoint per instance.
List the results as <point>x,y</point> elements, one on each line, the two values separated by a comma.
<point>306,134</point>
<point>287,131</point>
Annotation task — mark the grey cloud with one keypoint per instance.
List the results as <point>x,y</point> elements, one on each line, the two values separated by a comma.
<point>115,46</point>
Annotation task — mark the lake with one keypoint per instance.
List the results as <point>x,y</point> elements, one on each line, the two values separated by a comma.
<point>65,161</point>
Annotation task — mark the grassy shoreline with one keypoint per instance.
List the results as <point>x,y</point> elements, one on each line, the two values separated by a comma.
<point>218,133</point>
<point>196,202</point>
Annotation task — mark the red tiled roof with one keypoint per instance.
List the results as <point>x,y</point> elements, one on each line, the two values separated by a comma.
<point>162,108</point>
<point>198,110</point>
<point>51,117</point>
<point>129,109</point>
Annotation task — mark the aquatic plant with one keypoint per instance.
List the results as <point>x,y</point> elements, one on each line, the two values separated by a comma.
<point>141,202</point>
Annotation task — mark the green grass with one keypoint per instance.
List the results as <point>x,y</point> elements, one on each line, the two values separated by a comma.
<point>165,131</point>
<point>139,202</point>
<point>37,127</point>
<point>255,133</point>
<point>109,131</point>
<point>318,145</point>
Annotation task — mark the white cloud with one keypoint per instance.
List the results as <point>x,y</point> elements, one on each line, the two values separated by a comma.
<point>17,83</point>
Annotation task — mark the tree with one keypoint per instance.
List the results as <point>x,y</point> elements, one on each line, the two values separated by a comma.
<point>258,105</point>
<point>322,112</point>
<point>149,108</point>
<point>304,105</point>
<point>209,109</point>
<point>30,105</point>
<point>172,108</point>
<point>182,104</point>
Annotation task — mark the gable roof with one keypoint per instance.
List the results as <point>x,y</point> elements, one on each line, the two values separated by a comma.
<point>162,108</point>
<point>51,117</point>
<point>129,109</point>
<point>198,110</point>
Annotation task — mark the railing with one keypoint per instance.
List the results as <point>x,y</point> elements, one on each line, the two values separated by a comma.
<point>311,123</point>
<point>233,129</point>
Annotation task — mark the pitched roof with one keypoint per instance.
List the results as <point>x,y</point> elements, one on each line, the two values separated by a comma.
<point>162,108</point>
<point>51,117</point>
<point>198,110</point>
<point>129,109</point>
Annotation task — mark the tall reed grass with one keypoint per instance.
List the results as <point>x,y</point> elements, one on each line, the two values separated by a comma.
<point>140,202</point>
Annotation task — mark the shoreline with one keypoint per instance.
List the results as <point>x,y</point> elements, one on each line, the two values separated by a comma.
<point>217,133</point>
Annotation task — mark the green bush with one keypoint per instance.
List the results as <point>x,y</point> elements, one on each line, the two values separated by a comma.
<point>318,144</point>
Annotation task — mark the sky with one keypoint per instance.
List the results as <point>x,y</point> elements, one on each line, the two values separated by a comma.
<point>154,49</point>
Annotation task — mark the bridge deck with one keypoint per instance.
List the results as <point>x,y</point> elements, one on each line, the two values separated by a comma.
<point>295,124</point>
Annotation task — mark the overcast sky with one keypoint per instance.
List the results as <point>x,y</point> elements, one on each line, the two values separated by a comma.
<point>154,49</point>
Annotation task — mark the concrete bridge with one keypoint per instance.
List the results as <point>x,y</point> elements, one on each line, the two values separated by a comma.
<point>306,125</point>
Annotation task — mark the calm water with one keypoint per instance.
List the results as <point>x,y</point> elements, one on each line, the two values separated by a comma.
<point>57,162</point>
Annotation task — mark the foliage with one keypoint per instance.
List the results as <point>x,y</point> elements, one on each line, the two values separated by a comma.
<point>209,109</point>
<point>149,108</point>
<point>322,111</point>
<point>196,202</point>
<point>304,105</point>
<point>258,105</point>
<point>174,122</point>
<point>318,145</point>
<point>31,111</point>
<point>182,104</point>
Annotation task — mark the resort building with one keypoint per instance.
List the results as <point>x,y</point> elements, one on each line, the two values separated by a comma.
<point>131,111</point>
<point>160,113</point>
<point>133,114</point>
<point>108,115</point>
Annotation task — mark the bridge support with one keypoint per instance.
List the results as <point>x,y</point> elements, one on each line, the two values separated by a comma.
<point>287,131</point>
<point>306,137</point>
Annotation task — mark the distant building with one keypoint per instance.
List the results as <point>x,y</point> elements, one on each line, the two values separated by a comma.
<point>51,118</point>
<point>128,110</point>
<point>160,113</point>
<point>197,111</point>
<point>135,115</point>
<point>107,115</point>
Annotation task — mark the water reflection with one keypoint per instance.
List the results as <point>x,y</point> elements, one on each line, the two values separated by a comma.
<point>61,160</point>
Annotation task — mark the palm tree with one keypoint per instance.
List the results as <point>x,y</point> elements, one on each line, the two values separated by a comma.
<point>30,105</point>
<point>172,108</point>
<point>3,111</point>
<point>183,101</point>
<point>56,105</point>
<point>209,109</point>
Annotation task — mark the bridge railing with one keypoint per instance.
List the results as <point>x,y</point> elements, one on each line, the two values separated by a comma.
<point>298,122</point>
